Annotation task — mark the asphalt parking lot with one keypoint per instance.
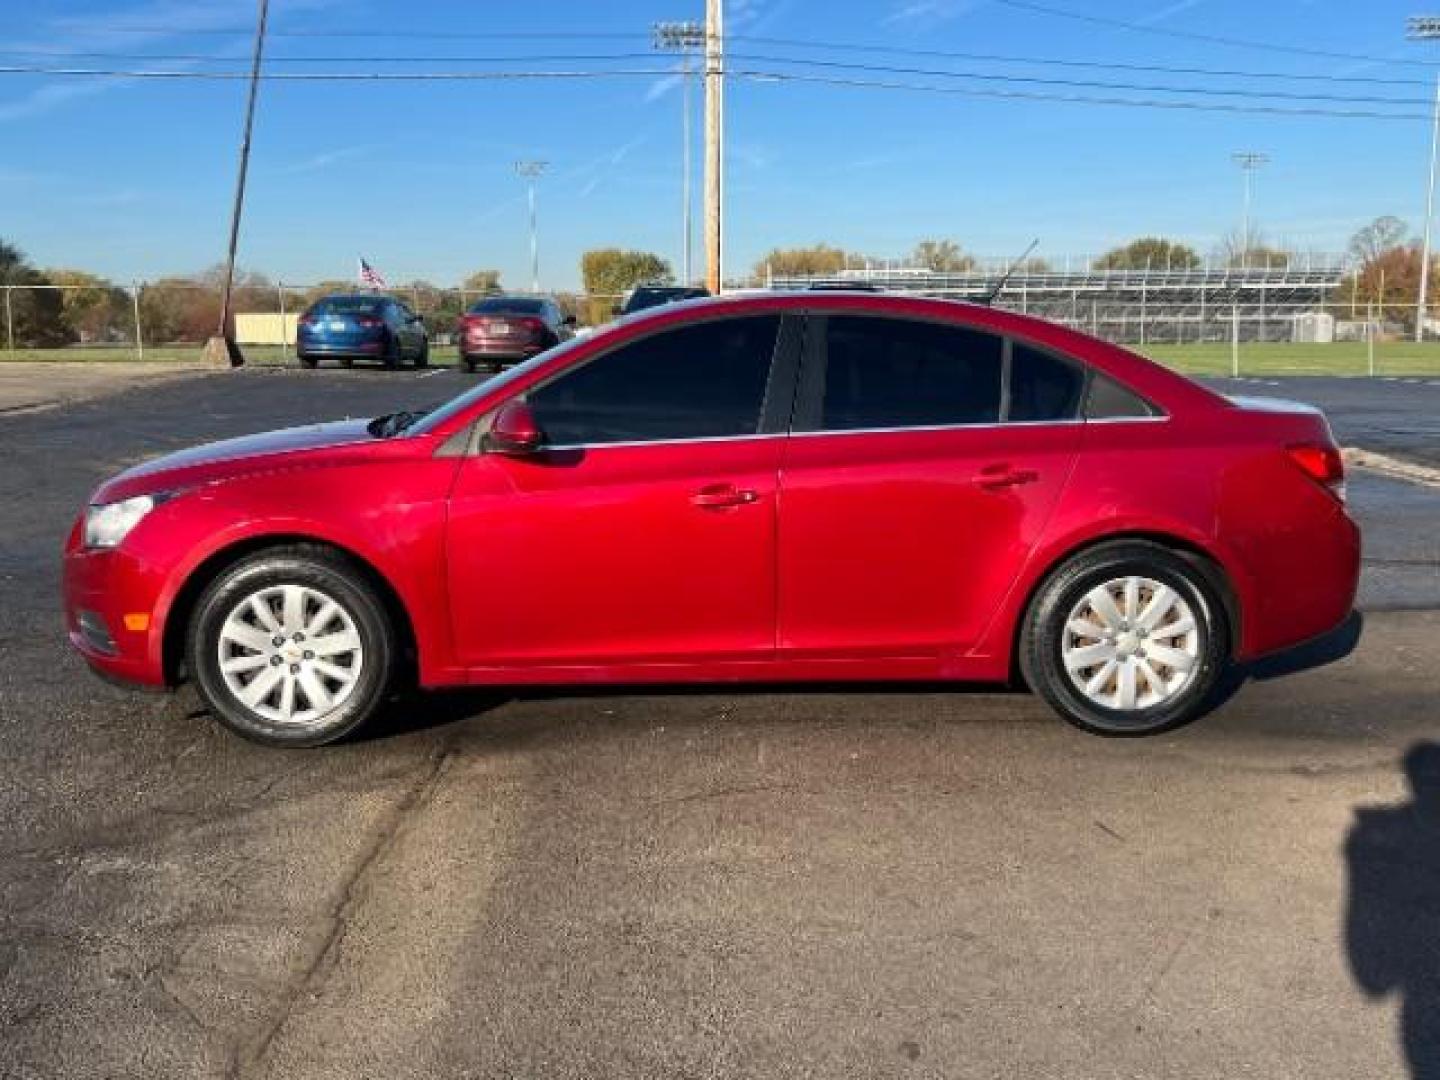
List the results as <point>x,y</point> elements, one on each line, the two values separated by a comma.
<point>903,882</point>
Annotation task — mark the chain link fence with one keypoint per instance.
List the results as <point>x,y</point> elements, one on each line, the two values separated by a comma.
<point>170,320</point>
<point>1257,327</point>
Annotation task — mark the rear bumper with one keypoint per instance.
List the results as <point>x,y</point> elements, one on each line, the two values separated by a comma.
<point>501,350</point>
<point>340,348</point>
<point>1303,580</point>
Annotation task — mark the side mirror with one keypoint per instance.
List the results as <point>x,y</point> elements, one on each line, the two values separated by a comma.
<point>569,321</point>
<point>514,431</point>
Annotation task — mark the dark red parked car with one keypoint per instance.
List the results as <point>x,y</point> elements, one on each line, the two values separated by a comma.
<point>775,487</point>
<point>502,330</point>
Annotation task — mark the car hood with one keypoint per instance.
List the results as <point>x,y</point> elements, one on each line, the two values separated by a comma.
<point>231,457</point>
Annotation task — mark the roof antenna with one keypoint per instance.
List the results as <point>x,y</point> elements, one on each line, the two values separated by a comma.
<point>991,296</point>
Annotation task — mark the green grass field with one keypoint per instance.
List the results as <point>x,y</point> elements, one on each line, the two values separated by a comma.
<point>1270,359</point>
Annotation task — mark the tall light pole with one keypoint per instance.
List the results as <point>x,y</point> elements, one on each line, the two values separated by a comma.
<point>530,171</point>
<point>1249,161</point>
<point>227,335</point>
<point>714,140</point>
<point>1426,28</point>
<point>684,37</point>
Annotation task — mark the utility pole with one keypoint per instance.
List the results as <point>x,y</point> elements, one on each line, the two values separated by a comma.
<point>226,334</point>
<point>684,37</point>
<point>1427,28</point>
<point>714,140</point>
<point>1249,161</point>
<point>530,172</point>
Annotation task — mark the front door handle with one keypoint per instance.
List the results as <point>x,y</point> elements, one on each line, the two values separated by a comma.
<point>998,477</point>
<point>721,496</point>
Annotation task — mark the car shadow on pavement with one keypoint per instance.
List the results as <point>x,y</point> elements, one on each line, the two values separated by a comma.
<point>1392,915</point>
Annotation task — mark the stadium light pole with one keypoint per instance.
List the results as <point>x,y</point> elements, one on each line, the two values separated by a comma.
<point>1426,28</point>
<point>227,336</point>
<point>1249,161</point>
<point>530,172</point>
<point>685,38</point>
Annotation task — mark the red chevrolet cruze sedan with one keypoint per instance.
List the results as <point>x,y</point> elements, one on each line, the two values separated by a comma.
<point>761,488</point>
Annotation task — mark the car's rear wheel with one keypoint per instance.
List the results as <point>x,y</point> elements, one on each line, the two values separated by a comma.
<point>347,361</point>
<point>308,361</point>
<point>1126,639</point>
<point>469,364</point>
<point>391,356</point>
<point>291,647</point>
<point>422,358</point>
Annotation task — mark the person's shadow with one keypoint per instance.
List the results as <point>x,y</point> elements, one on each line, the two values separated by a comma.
<point>1392,920</point>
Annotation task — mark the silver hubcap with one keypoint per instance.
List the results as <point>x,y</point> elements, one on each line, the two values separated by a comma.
<point>1131,643</point>
<point>290,654</point>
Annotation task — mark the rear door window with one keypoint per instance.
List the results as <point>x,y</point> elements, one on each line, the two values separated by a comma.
<point>883,373</point>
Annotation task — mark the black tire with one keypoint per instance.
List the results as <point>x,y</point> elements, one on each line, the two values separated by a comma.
<point>347,361</point>
<point>1044,633</point>
<point>314,568</point>
<point>422,359</point>
<point>469,364</point>
<point>307,361</point>
<point>391,357</point>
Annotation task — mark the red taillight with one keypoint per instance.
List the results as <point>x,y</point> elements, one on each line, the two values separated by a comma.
<point>307,320</point>
<point>533,325</point>
<point>1323,463</point>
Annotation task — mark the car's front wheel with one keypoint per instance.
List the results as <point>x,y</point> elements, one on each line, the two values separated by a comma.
<point>1126,638</point>
<point>291,647</point>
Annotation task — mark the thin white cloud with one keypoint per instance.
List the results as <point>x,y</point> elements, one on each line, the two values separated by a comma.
<point>662,86</point>
<point>925,13</point>
<point>1170,12</point>
<point>324,160</point>
<point>162,20</point>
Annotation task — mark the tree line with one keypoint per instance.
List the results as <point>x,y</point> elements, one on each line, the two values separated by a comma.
<point>1386,263</point>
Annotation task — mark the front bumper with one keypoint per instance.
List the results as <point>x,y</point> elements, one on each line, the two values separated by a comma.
<point>101,588</point>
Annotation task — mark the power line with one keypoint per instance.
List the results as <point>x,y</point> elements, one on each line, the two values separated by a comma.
<point>1083,83</point>
<point>1080,99</point>
<point>1191,35</point>
<point>758,74</point>
<point>1117,65</point>
<point>1356,99</point>
<point>832,46</point>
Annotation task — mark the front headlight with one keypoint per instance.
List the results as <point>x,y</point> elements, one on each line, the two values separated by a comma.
<point>107,524</point>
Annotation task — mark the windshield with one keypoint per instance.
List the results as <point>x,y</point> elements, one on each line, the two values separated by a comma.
<point>435,417</point>
<point>507,305</point>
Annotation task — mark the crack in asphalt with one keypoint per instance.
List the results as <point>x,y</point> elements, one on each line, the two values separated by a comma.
<point>349,896</point>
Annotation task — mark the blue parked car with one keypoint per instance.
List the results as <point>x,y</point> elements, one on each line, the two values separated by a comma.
<point>361,325</point>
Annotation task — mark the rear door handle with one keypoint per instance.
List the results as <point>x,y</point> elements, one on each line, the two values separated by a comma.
<point>721,496</point>
<point>997,477</point>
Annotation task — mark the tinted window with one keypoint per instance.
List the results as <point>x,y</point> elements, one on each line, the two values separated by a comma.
<point>507,305</point>
<point>888,373</point>
<point>1043,386</point>
<point>701,381</point>
<point>1108,400</point>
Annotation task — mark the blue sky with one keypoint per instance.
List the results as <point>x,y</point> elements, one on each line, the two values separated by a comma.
<point>133,179</point>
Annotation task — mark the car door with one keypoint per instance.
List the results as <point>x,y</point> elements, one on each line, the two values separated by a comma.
<point>644,532</point>
<point>927,457</point>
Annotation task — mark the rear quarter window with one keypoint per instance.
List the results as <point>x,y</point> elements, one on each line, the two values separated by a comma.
<point>1107,399</point>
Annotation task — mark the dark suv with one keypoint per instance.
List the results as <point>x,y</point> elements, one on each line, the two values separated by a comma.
<point>503,330</point>
<point>649,296</point>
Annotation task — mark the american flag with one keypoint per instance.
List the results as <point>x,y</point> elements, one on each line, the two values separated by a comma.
<point>370,277</point>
